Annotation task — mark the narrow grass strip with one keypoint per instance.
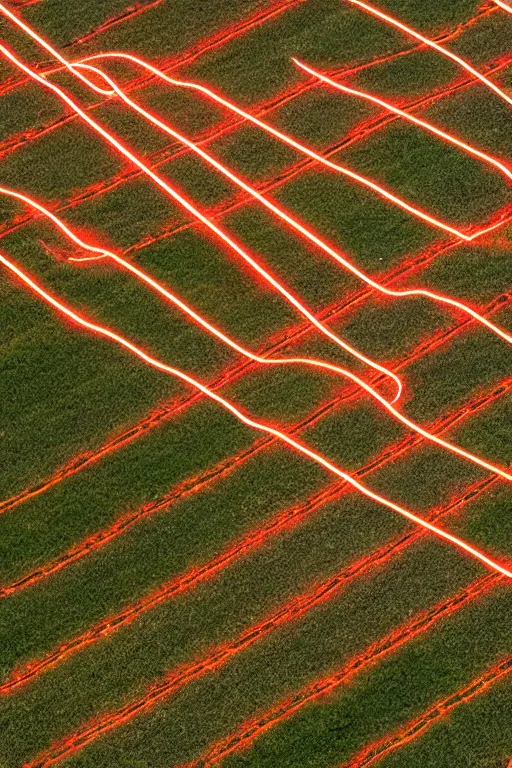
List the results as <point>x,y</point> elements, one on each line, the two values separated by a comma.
<point>248,732</point>
<point>155,418</point>
<point>441,709</point>
<point>283,520</point>
<point>176,679</point>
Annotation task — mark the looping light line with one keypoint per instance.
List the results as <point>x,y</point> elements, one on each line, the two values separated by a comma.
<point>217,231</point>
<point>431,44</point>
<point>188,310</point>
<point>295,223</point>
<point>243,418</point>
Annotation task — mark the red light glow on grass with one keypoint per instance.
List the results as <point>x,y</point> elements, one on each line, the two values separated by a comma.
<point>432,44</point>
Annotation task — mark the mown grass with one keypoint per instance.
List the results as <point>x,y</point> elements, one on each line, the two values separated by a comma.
<point>66,392</point>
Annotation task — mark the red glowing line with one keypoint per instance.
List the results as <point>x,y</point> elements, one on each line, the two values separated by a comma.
<point>233,373</point>
<point>281,436</point>
<point>503,5</point>
<point>223,653</point>
<point>32,33</point>
<point>174,299</point>
<point>204,219</point>
<point>439,48</point>
<point>285,520</point>
<point>287,139</point>
<point>414,728</point>
<point>128,15</point>
<point>216,40</point>
<point>422,622</point>
<point>20,139</point>
<point>303,149</point>
<point>422,123</point>
<point>101,253</point>
<point>295,223</point>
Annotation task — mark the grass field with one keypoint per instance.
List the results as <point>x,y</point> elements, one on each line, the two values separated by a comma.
<point>178,589</point>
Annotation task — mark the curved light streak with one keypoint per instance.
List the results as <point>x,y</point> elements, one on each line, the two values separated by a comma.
<point>295,223</point>
<point>407,116</point>
<point>44,44</point>
<point>188,310</point>
<point>431,44</point>
<point>398,201</point>
<point>302,148</point>
<point>244,419</point>
<point>220,233</point>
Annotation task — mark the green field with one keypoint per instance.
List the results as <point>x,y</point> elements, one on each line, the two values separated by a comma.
<point>177,588</point>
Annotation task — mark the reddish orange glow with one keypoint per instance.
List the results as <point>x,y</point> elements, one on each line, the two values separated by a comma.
<point>283,521</point>
<point>296,224</point>
<point>33,34</point>
<point>303,149</point>
<point>441,709</point>
<point>220,655</point>
<point>411,118</point>
<point>381,191</point>
<point>217,333</point>
<point>245,735</point>
<point>244,419</point>
<point>214,228</point>
<point>432,44</point>
<point>289,336</point>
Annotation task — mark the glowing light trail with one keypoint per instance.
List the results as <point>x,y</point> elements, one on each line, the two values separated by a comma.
<point>13,142</point>
<point>200,320</point>
<point>432,44</point>
<point>245,735</point>
<point>407,116</point>
<point>233,373</point>
<point>303,149</point>
<point>281,436</point>
<point>296,224</point>
<point>42,42</point>
<point>503,5</point>
<point>284,521</point>
<point>381,191</point>
<point>217,40</point>
<point>100,253</point>
<point>217,231</point>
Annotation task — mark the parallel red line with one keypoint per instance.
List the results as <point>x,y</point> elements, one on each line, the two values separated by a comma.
<point>291,335</point>
<point>19,140</point>
<point>176,301</point>
<point>286,520</point>
<point>432,716</point>
<point>425,125</point>
<point>283,519</point>
<point>173,151</point>
<point>224,237</point>
<point>248,732</point>
<point>392,21</point>
<point>225,652</point>
<point>198,49</point>
<point>137,9</point>
<point>291,221</point>
<point>284,177</point>
<point>66,311</point>
<point>77,68</point>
